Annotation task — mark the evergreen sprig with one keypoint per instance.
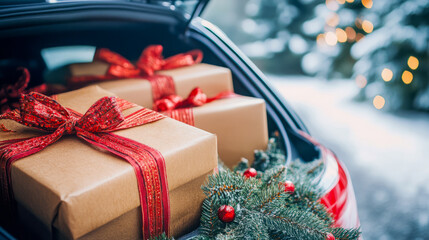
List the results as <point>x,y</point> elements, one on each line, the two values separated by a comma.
<point>263,210</point>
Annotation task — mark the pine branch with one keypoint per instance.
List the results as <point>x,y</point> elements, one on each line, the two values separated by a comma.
<point>263,210</point>
<point>274,176</point>
<point>208,218</point>
<point>163,236</point>
<point>345,234</point>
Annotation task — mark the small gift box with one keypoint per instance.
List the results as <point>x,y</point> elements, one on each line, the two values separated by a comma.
<point>239,122</point>
<point>151,77</point>
<point>85,188</point>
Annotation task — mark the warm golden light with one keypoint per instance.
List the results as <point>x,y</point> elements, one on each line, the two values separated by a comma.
<point>407,77</point>
<point>341,1</point>
<point>361,81</point>
<point>413,62</point>
<point>331,38</point>
<point>351,34</point>
<point>387,74</point>
<point>378,102</point>
<point>341,35</point>
<point>333,20</point>
<point>320,39</point>
<point>332,5</point>
<point>350,1</point>
<point>367,26</point>
<point>359,37</point>
<point>358,23</point>
<point>367,3</point>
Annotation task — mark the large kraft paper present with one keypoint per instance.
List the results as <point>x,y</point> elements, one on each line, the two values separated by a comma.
<point>70,190</point>
<point>239,122</point>
<point>210,78</point>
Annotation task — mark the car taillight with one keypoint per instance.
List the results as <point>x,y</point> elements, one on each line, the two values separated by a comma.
<point>335,181</point>
<point>340,200</point>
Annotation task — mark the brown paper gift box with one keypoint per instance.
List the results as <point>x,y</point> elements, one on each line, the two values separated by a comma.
<point>70,190</point>
<point>211,79</point>
<point>240,124</point>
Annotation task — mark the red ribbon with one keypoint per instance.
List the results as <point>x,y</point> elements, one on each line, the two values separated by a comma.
<point>181,109</point>
<point>95,127</point>
<point>150,61</point>
<point>9,94</point>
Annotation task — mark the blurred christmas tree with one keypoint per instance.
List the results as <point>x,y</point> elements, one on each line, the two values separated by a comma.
<point>279,32</point>
<point>382,44</point>
<point>393,61</point>
<point>343,26</point>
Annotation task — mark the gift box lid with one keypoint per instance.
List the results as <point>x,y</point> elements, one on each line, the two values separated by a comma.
<point>210,78</point>
<point>76,188</point>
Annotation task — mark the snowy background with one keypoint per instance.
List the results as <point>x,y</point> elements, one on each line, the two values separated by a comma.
<point>357,73</point>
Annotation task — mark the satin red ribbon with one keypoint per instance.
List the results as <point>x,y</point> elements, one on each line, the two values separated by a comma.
<point>95,127</point>
<point>181,109</point>
<point>150,61</point>
<point>9,94</point>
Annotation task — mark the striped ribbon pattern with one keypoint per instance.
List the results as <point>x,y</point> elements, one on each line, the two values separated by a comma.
<point>150,61</point>
<point>175,107</point>
<point>95,127</point>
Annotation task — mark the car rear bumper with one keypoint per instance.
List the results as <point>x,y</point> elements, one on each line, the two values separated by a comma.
<point>340,197</point>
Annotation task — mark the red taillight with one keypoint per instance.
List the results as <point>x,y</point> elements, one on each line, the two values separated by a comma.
<point>340,199</point>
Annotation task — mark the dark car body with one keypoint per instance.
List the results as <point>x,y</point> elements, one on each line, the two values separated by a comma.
<point>127,27</point>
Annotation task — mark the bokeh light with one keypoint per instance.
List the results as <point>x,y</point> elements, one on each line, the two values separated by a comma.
<point>350,1</point>
<point>359,37</point>
<point>413,62</point>
<point>367,3</point>
<point>331,38</point>
<point>341,35</point>
<point>333,20</point>
<point>378,102</point>
<point>341,1</point>
<point>361,81</point>
<point>407,77</point>
<point>387,74</point>
<point>367,26</point>
<point>358,23</point>
<point>320,39</point>
<point>332,5</point>
<point>351,34</point>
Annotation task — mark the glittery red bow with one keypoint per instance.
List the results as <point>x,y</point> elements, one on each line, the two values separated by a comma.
<point>9,94</point>
<point>150,61</point>
<point>95,127</point>
<point>196,98</point>
<point>181,109</point>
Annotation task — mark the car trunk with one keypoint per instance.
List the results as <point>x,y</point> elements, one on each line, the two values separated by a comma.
<point>127,28</point>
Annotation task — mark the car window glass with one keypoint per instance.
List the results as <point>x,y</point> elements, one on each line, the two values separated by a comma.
<point>59,56</point>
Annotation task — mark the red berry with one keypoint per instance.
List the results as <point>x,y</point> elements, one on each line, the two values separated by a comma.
<point>250,172</point>
<point>330,236</point>
<point>289,187</point>
<point>226,213</point>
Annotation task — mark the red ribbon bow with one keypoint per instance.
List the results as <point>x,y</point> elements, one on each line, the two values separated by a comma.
<point>181,109</point>
<point>150,61</point>
<point>95,127</point>
<point>10,94</point>
<point>196,98</point>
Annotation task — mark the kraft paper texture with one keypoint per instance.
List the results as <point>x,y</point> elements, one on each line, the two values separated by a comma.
<point>75,190</point>
<point>211,79</point>
<point>240,124</point>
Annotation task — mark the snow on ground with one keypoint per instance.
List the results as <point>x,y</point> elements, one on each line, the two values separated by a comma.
<point>387,154</point>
